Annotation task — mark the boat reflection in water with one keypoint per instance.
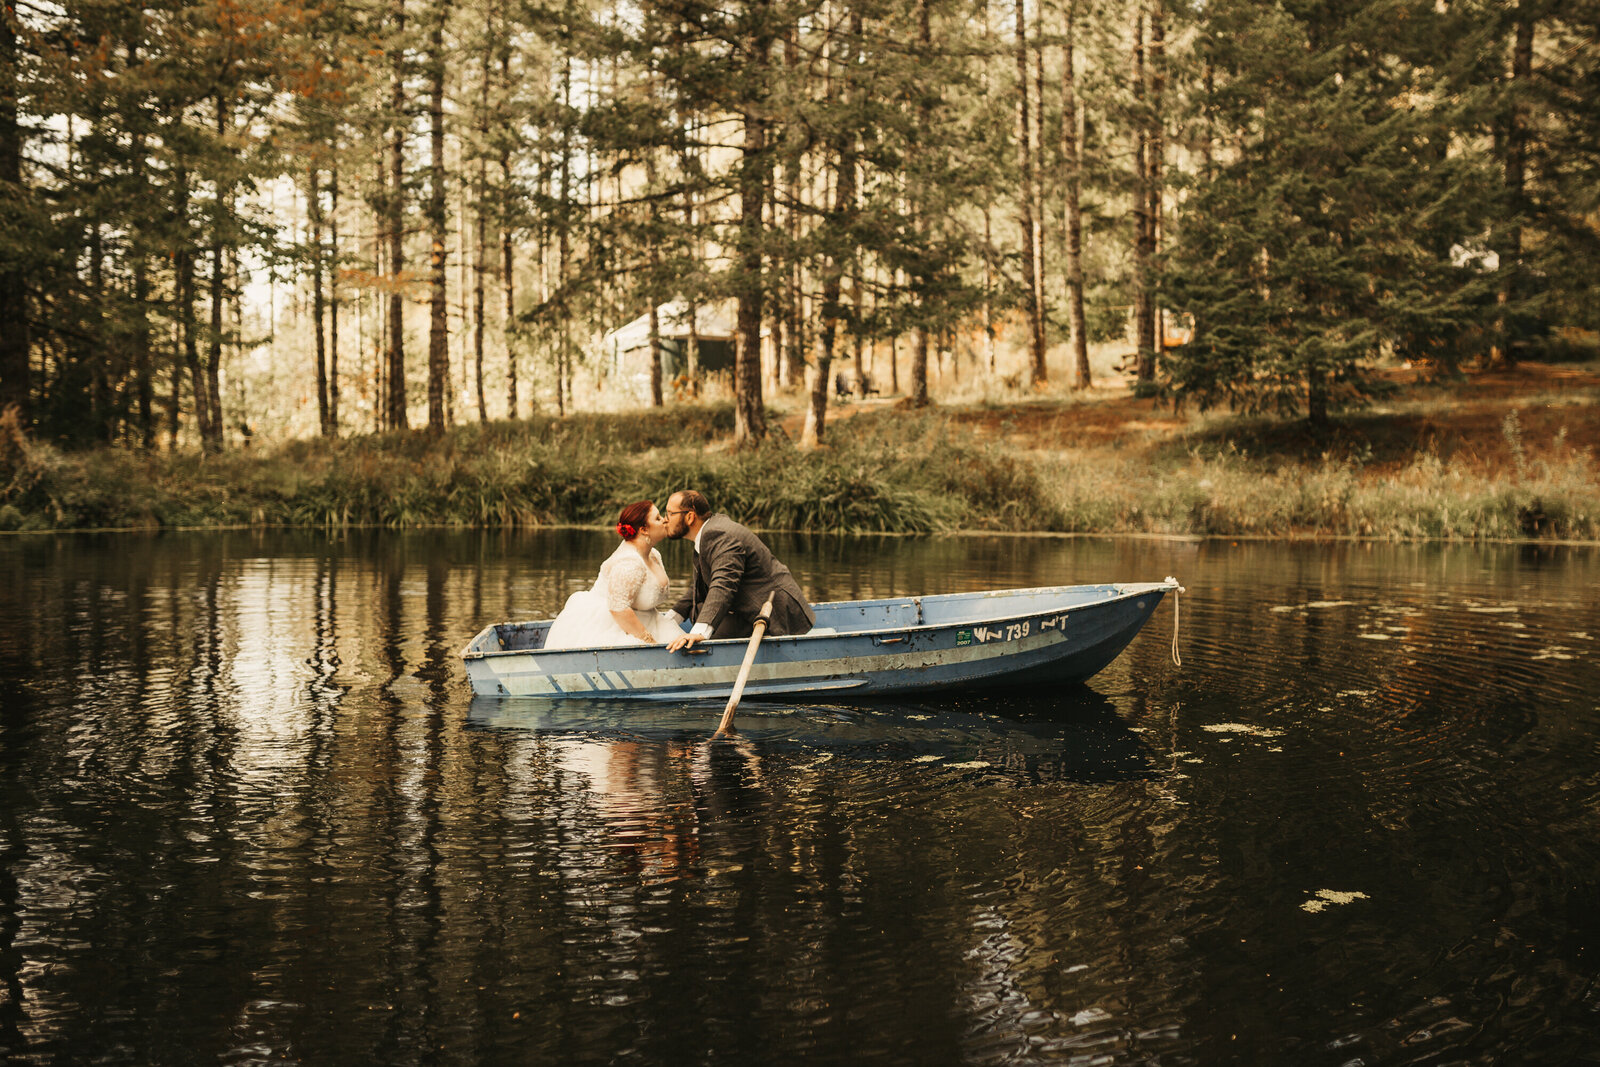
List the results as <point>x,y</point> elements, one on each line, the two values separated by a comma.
<point>1020,735</point>
<point>650,774</point>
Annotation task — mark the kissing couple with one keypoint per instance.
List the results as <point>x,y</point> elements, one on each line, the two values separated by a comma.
<point>734,572</point>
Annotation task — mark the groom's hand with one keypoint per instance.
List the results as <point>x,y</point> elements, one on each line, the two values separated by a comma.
<point>679,643</point>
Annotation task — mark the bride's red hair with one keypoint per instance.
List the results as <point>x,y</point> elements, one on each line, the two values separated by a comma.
<point>633,519</point>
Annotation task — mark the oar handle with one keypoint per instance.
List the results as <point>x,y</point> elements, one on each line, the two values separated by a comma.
<point>744,668</point>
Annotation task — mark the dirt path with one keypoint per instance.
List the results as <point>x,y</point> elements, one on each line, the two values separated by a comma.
<point>795,422</point>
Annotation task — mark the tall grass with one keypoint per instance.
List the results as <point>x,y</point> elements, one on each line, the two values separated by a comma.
<point>1425,498</point>
<point>903,472</point>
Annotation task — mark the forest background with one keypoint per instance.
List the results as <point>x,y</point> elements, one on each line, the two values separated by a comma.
<point>372,261</point>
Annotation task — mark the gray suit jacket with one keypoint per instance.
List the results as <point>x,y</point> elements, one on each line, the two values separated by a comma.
<point>733,573</point>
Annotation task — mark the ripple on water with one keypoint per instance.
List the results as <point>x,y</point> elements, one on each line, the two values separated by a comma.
<point>255,811</point>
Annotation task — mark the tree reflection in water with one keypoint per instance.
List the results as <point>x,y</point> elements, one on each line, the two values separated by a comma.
<point>248,809</point>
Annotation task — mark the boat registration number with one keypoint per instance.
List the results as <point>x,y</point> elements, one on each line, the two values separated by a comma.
<point>984,634</point>
<point>1012,631</point>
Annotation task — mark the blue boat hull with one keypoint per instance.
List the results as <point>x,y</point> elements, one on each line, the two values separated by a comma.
<point>900,645</point>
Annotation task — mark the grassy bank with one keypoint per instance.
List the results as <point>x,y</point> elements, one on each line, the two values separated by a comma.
<point>1235,495</point>
<point>576,470</point>
<point>1035,468</point>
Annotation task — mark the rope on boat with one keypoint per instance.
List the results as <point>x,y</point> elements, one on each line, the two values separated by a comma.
<point>1177,597</point>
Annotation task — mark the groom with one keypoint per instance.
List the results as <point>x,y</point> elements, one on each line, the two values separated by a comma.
<point>733,574</point>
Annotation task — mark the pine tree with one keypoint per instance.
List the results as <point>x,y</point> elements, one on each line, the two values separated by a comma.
<point>1327,236</point>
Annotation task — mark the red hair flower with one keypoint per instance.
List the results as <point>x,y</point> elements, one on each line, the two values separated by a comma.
<point>626,532</point>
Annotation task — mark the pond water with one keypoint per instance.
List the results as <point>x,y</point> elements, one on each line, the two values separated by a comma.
<point>249,812</point>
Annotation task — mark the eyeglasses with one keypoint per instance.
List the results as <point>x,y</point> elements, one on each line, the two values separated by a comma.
<point>678,511</point>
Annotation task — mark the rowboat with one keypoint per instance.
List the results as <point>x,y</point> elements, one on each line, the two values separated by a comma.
<point>912,644</point>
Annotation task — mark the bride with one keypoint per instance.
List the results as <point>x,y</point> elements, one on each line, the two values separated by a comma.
<point>621,607</point>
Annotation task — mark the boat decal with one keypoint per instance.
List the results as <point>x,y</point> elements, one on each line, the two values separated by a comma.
<point>1011,631</point>
<point>963,637</point>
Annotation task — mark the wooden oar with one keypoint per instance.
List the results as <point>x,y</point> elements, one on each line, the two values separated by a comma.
<point>744,668</point>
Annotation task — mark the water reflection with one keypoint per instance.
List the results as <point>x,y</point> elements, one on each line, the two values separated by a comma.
<point>1021,737</point>
<point>249,810</point>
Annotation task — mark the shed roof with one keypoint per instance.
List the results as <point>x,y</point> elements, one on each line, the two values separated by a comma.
<point>714,322</point>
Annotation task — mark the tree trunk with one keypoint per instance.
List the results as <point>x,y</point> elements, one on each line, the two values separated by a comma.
<point>143,385</point>
<point>480,211</point>
<point>844,198</point>
<point>15,370</point>
<point>175,397</point>
<point>380,333</point>
<point>795,337</point>
<point>795,333</point>
<point>894,345</point>
<point>988,236</point>
<point>333,304</point>
<point>463,231</point>
<point>236,333</point>
<point>989,346</point>
<point>657,399</point>
<point>1157,169</point>
<point>844,194</point>
<point>314,209</point>
<point>776,313</point>
<point>1072,163</point>
<point>1515,176</point>
<point>691,352</point>
<point>1032,304</point>
<point>184,268</point>
<point>507,257</point>
<point>396,369</point>
<point>858,339</point>
<point>191,348</point>
<point>1143,299</point>
<point>919,367</point>
<point>894,365</point>
<point>438,325</point>
<point>211,430</point>
<point>101,418</point>
<point>479,268</point>
<point>919,348</point>
<point>749,416</point>
<point>508,292</point>
<point>1040,215</point>
<point>1317,397</point>
<point>563,241</point>
<point>657,396</point>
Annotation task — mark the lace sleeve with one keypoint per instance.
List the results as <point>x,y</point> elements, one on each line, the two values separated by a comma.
<point>627,577</point>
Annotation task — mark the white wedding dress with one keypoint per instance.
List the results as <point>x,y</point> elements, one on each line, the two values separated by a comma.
<point>625,582</point>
